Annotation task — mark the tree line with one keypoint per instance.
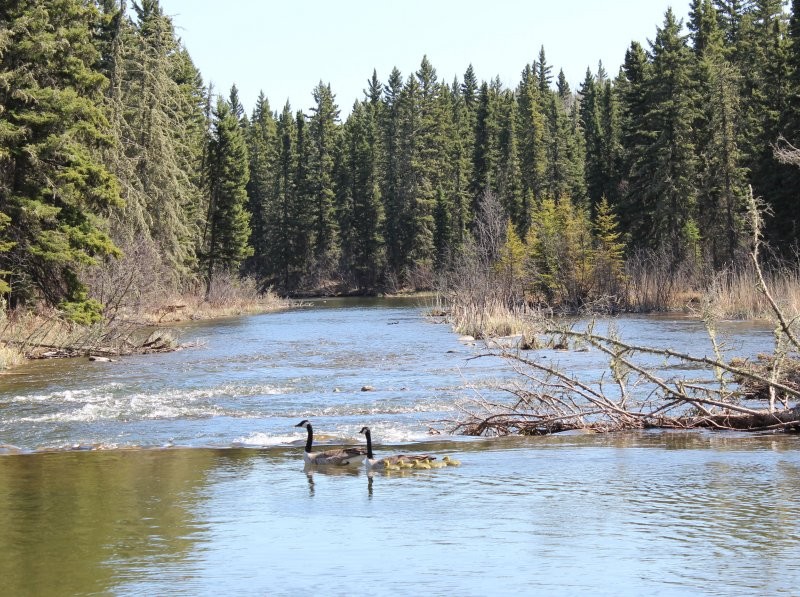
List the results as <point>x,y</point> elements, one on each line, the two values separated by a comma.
<point>124,176</point>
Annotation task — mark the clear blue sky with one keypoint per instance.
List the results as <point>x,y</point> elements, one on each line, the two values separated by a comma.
<point>286,48</point>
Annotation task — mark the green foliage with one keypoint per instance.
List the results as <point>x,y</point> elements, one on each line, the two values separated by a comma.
<point>83,311</point>
<point>228,220</point>
<point>323,139</point>
<point>53,183</point>
<point>108,139</point>
<point>511,263</point>
<point>662,175</point>
<point>609,251</point>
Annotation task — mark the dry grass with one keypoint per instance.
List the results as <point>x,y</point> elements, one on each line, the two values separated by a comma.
<point>45,333</point>
<point>490,322</point>
<point>9,356</point>
<point>229,296</point>
<point>737,295</point>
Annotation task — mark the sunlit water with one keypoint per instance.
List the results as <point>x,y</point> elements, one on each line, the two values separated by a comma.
<point>229,508</point>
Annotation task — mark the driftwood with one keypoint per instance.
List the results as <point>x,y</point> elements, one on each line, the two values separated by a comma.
<point>53,337</point>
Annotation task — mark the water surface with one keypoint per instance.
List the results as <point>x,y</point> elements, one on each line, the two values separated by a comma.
<point>188,478</point>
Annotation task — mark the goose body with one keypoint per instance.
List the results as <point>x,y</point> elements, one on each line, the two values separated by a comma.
<point>396,462</point>
<point>336,457</point>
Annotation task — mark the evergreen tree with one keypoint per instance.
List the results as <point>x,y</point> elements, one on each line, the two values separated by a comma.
<point>486,157</point>
<point>662,180</point>
<point>543,73</point>
<point>261,145</point>
<point>229,226</point>
<point>509,175</point>
<point>323,138</point>
<point>391,170</point>
<point>533,133</point>
<point>53,185</point>
<point>361,210</point>
<point>565,153</point>
<point>285,254</point>
<point>161,133</point>
<point>301,211</point>
<point>609,252</point>
<point>720,183</point>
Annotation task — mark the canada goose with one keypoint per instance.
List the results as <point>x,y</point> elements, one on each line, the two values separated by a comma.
<point>338,457</point>
<point>398,461</point>
<point>451,462</point>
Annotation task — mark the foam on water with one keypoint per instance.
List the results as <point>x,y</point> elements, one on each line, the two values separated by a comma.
<point>382,433</point>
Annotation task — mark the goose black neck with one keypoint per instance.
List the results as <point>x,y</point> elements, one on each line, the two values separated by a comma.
<point>369,444</point>
<point>310,438</point>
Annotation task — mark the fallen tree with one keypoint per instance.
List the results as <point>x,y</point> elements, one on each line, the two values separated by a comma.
<point>638,390</point>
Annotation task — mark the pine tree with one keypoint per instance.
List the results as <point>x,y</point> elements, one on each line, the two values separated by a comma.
<point>361,210</point>
<point>161,131</point>
<point>662,179</point>
<point>533,142</point>
<point>229,226</point>
<point>262,146</point>
<point>53,184</point>
<point>391,171</point>
<point>609,252</point>
<point>721,176</point>
<point>323,138</point>
<point>485,157</point>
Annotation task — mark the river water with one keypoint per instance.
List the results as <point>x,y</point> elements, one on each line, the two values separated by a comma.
<point>182,474</point>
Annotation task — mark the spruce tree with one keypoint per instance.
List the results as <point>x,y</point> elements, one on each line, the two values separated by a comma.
<point>662,179</point>
<point>227,243</point>
<point>53,185</point>
<point>323,139</point>
<point>533,133</point>
<point>721,176</point>
<point>262,151</point>
<point>359,200</point>
<point>391,168</point>
<point>160,131</point>
<point>486,152</point>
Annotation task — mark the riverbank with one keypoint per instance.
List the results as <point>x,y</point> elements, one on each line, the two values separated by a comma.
<point>28,335</point>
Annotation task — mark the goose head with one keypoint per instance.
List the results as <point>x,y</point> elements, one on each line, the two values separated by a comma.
<point>304,423</point>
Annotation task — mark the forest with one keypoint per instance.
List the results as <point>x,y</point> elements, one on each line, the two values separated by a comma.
<point>125,178</point>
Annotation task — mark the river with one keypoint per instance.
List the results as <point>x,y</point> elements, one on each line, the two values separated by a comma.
<point>182,474</point>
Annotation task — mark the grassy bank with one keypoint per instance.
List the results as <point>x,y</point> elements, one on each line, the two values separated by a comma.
<point>126,329</point>
<point>483,309</point>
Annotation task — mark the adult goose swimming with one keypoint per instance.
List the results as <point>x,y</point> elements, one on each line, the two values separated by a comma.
<point>392,462</point>
<point>338,457</point>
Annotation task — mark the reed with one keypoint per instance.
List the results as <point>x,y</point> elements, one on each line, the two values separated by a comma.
<point>736,294</point>
<point>9,356</point>
<point>229,296</point>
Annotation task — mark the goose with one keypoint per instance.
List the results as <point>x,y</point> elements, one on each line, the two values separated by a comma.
<point>451,462</point>
<point>336,457</point>
<point>398,461</point>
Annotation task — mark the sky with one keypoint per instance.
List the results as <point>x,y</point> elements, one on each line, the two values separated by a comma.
<point>285,48</point>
